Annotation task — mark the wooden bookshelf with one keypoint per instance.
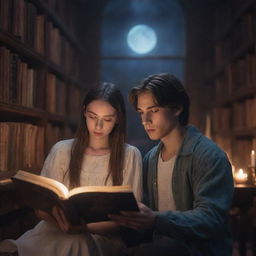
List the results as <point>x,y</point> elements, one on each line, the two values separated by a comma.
<point>40,92</point>
<point>234,80</point>
<point>227,13</point>
<point>35,84</point>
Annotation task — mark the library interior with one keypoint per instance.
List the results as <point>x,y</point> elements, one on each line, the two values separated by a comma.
<point>52,52</point>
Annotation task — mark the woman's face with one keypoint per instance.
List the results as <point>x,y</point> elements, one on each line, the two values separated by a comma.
<point>100,119</point>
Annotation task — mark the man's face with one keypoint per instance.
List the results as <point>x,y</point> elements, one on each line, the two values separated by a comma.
<point>157,121</point>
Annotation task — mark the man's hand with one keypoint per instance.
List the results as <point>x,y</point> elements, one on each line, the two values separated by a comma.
<point>64,224</point>
<point>143,219</point>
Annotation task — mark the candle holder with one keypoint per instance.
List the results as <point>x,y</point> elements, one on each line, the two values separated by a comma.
<point>241,176</point>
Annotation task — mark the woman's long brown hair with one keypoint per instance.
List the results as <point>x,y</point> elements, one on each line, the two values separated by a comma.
<point>109,93</point>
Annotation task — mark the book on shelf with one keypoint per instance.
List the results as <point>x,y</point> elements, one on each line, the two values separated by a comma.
<point>90,203</point>
<point>21,146</point>
<point>18,79</point>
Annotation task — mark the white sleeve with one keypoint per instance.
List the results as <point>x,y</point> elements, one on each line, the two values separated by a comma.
<point>133,170</point>
<point>56,163</point>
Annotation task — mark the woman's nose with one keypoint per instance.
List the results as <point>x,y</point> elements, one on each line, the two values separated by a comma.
<point>99,124</point>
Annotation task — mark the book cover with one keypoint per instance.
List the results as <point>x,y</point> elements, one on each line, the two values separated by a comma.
<point>90,203</point>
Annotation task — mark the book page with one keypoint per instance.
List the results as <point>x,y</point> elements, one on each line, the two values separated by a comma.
<point>112,189</point>
<point>51,184</point>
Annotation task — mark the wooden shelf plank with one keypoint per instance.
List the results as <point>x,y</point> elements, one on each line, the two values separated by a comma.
<point>236,133</point>
<point>57,70</point>
<point>15,44</point>
<point>238,95</point>
<point>56,118</point>
<point>246,132</point>
<point>61,119</point>
<point>21,110</point>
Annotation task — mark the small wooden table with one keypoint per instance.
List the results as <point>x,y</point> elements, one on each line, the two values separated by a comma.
<point>243,230</point>
<point>243,195</point>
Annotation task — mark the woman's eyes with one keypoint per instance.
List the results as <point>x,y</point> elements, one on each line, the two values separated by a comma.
<point>104,119</point>
<point>92,117</point>
<point>108,120</point>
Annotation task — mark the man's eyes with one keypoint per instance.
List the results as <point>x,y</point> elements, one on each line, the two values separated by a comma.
<point>153,110</point>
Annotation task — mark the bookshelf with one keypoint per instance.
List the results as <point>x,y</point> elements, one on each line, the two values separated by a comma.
<point>41,83</point>
<point>233,78</point>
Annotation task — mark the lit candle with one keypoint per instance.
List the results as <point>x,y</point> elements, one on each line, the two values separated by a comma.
<point>253,158</point>
<point>241,176</point>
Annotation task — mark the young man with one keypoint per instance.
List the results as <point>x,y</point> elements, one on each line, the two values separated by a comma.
<point>188,184</point>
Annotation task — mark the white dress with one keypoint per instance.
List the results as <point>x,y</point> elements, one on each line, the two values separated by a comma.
<point>46,239</point>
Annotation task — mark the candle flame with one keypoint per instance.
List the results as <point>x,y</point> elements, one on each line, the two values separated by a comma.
<point>241,173</point>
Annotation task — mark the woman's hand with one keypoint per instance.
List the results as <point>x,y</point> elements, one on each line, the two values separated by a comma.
<point>64,224</point>
<point>143,219</point>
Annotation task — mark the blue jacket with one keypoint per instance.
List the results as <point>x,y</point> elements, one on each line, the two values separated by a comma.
<point>202,186</point>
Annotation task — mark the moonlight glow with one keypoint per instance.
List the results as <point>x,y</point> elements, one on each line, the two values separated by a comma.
<point>141,39</point>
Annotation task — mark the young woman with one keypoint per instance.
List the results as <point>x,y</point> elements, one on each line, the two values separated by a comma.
<point>97,155</point>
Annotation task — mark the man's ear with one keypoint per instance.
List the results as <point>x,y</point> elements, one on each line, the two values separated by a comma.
<point>178,110</point>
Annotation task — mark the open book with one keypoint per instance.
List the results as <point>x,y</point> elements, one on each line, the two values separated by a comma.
<point>90,203</point>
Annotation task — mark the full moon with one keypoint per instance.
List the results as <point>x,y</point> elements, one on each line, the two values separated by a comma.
<point>141,39</point>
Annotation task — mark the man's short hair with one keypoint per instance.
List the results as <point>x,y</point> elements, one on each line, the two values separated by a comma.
<point>168,92</point>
